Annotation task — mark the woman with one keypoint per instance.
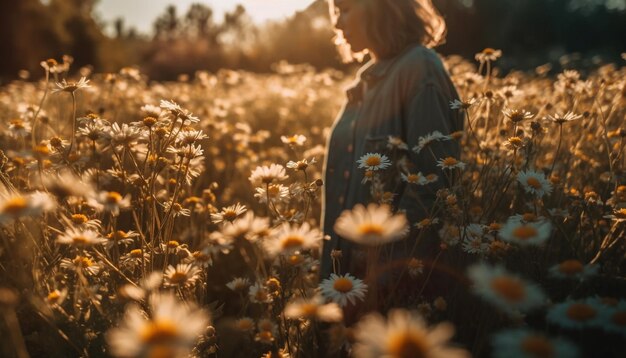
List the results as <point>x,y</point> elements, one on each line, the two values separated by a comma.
<point>403,92</point>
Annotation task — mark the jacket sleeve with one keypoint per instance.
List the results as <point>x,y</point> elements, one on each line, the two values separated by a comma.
<point>424,112</point>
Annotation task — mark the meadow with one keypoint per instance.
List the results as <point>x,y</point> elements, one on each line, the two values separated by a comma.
<point>169,219</point>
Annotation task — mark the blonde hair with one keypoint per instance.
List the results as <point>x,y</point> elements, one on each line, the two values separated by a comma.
<point>392,25</point>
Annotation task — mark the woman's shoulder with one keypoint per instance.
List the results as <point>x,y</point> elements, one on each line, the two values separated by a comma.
<point>419,65</point>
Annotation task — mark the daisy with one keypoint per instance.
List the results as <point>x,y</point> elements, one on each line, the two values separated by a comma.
<point>475,245</point>
<point>534,183</point>
<point>517,115</point>
<point>134,259</point>
<point>464,105</point>
<point>415,267</point>
<point>403,334</point>
<point>258,293</point>
<point>238,284</point>
<point>394,142</point>
<point>450,163</point>
<point>287,239</point>
<point>577,314</point>
<point>183,275</point>
<point>488,54</point>
<point>412,178</point>
<point>300,165</point>
<point>573,269</point>
<point>313,309</point>
<point>14,206</point>
<point>170,330</point>
<point>525,233</point>
<point>19,128</point>
<point>505,290</point>
<point>228,214</point>
<point>297,139</point>
<point>110,201</point>
<point>176,209</point>
<point>124,135</point>
<point>524,343</point>
<point>121,237</point>
<point>71,87</point>
<point>374,161</point>
<point>267,175</point>
<point>277,193</point>
<point>81,263</point>
<point>343,289</point>
<point>80,238</point>
<point>374,225</point>
<point>426,140</point>
<point>247,227</point>
<point>563,118</point>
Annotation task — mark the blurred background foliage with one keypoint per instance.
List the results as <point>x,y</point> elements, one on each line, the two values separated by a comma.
<point>530,32</point>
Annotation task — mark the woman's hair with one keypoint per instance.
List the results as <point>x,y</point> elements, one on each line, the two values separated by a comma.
<point>392,25</point>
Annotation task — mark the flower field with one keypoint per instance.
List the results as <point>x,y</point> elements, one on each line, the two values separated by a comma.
<point>175,219</point>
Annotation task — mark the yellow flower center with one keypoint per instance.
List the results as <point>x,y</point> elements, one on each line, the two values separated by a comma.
<point>343,285</point>
<point>273,190</point>
<point>113,197</point>
<point>373,161</point>
<point>308,309</point>
<point>292,242</point>
<point>159,332</point>
<point>53,296</point>
<point>15,206</point>
<point>172,244</point>
<point>79,219</point>
<point>178,277</point>
<point>413,178</point>
<point>570,267</point>
<point>537,346</point>
<point>136,253</point>
<point>515,141</point>
<point>509,288</point>
<point>230,215</point>
<point>449,162</point>
<point>80,240</point>
<point>409,345</point>
<point>371,229</point>
<point>295,259</point>
<point>580,312</point>
<point>525,232</point>
<point>533,183</point>
<point>621,213</point>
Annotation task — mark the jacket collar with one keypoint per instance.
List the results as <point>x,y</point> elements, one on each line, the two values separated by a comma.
<point>373,70</point>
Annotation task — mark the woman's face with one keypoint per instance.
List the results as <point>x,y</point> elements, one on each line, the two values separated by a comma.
<point>351,21</point>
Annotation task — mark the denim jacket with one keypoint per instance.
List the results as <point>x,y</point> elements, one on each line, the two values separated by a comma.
<point>407,97</point>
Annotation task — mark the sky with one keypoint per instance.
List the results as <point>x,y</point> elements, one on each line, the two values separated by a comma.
<point>141,13</point>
